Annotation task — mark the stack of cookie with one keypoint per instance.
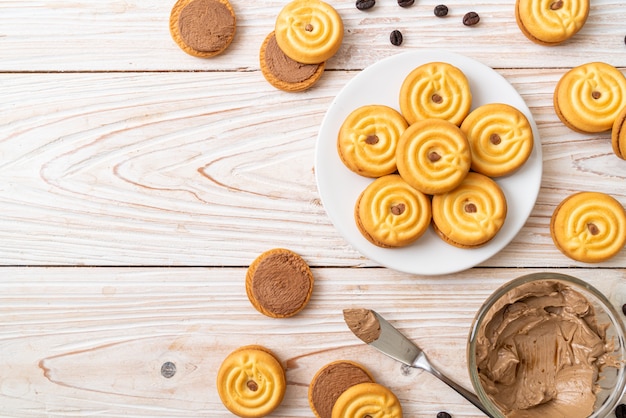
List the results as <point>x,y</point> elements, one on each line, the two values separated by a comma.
<point>344,388</point>
<point>433,160</point>
<point>306,34</point>
<point>551,22</point>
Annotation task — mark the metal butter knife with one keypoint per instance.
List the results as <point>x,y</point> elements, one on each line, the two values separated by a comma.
<point>374,330</point>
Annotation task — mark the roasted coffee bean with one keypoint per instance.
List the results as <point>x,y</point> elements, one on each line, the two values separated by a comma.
<point>441,10</point>
<point>620,411</point>
<point>365,4</point>
<point>405,3</point>
<point>471,18</point>
<point>396,37</point>
<point>443,414</point>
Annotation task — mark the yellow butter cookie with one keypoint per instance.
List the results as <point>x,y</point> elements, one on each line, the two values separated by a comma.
<point>550,22</point>
<point>589,97</point>
<point>368,139</point>
<point>390,213</point>
<point>589,227</point>
<point>433,156</point>
<point>435,90</point>
<point>367,399</point>
<point>500,138</point>
<point>472,214</point>
<point>309,31</point>
<point>618,135</point>
<point>251,382</point>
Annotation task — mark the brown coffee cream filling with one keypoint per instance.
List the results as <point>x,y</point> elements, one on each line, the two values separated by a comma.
<point>283,67</point>
<point>281,283</point>
<point>331,381</point>
<point>540,352</point>
<point>363,323</point>
<point>206,25</point>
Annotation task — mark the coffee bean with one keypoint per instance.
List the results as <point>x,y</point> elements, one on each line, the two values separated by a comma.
<point>396,38</point>
<point>365,4</point>
<point>471,18</point>
<point>620,411</point>
<point>443,414</point>
<point>441,10</point>
<point>405,3</point>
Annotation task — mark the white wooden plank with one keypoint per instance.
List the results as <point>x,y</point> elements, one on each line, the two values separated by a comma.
<point>91,341</point>
<point>211,169</point>
<point>133,35</point>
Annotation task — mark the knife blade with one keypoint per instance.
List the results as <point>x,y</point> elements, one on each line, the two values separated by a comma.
<point>376,331</point>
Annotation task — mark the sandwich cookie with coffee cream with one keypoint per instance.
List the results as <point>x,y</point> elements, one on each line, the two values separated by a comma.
<point>203,28</point>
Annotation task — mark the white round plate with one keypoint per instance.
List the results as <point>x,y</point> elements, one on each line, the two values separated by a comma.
<point>339,187</point>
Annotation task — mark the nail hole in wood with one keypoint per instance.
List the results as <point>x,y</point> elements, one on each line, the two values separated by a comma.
<point>168,369</point>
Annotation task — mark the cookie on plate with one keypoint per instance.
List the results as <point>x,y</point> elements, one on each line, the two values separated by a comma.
<point>551,22</point>
<point>309,31</point>
<point>435,90</point>
<point>500,138</point>
<point>433,156</point>
<point>390,213</point>
<point>284,73</point>
<point>589,97</point>
<point>251,382</point>
<point>368,138</point>
<point>203,28</point>
<point>367,399</point>
<point>279,283</point>
<point>472,214</point>
<point>589,227</point>
<point>331,381</point>
<point>618,135</point>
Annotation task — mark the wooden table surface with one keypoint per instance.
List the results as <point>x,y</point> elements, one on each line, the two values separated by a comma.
<point>137,184</point>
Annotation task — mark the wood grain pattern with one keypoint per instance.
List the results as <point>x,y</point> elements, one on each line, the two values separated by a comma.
<point>137,183</point>
<point>161,169</point>
<point>91,342</point>
<point>133,35</point>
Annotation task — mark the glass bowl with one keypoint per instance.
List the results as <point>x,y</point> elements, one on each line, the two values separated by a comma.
<point>611,380</point>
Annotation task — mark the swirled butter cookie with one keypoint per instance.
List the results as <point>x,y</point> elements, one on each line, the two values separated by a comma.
<point>202,28</point>
<point>367,399</point>
<point>284,73</point>
<point>618,135</point>
<point>309,31</point>
<point>368,139</point>
<point>500,138</point>
<point>390,213</point>
<point>472,214</point>
<point>550,22</point>
<point>433,156</point>
<point>279,283</point>
<point>435,90</point>
<point>589,97</point>
<point>589,227</point>
<point>251,382</point>
<point>331,381</point>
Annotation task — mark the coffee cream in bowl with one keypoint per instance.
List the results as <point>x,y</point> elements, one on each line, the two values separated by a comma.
<point>547,345</point>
